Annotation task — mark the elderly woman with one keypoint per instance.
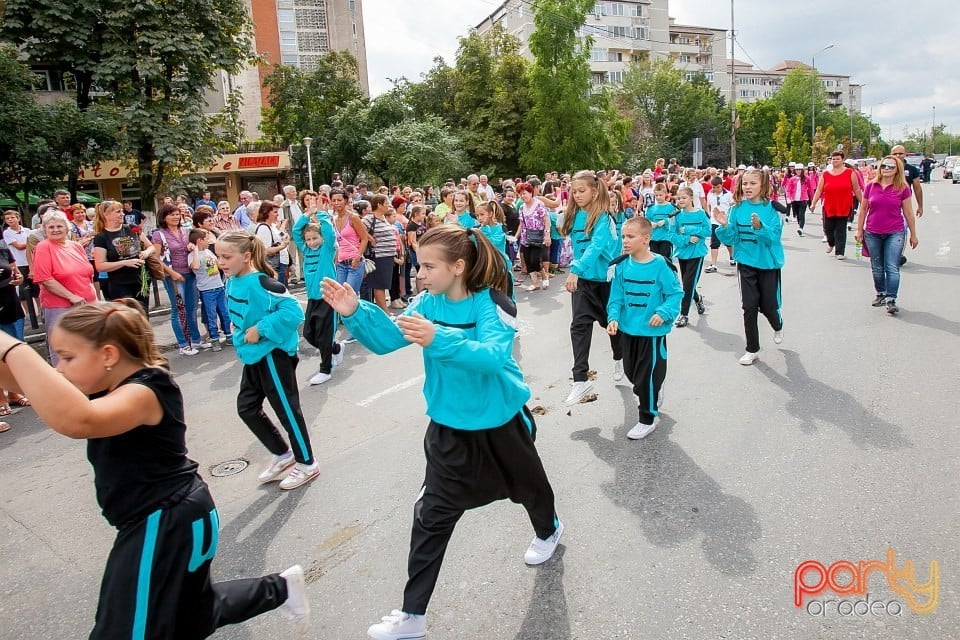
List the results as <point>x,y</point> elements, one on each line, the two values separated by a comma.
<point>61,268</point>
<point>204,218</point>
<point>121,253</point>
<point>837,187</point>
<point>170,241</point>
<point>274,238</point>
<point>224,220</point>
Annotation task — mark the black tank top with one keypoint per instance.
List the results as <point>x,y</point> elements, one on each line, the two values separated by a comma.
<point>138,471</point>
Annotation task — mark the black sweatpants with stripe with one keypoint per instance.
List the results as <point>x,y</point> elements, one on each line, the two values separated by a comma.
<point>466,470</point>
<point>759,293</point>
<point>690,271</point>
<point>645,365</point>
<point>156,585</point>
<point>665,249</point>
<point>589,304</point>
<point>319,328</point>
<point>275,378</point>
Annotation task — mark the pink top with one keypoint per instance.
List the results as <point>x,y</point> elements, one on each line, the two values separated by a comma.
<point>348,242</point>
<point>796,189</point>
<point>885,214</point>
<point>66,264</point>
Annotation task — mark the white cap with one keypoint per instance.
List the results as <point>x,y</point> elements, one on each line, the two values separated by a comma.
<point>751,168</point>
<point>850,161</point>
<point>810,164</point>
<point>743,166</point>
<point>766,168</point>
<point>792,165</point>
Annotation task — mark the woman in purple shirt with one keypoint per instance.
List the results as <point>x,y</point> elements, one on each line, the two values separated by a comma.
<point>170,242</point>
<point>880,224</point>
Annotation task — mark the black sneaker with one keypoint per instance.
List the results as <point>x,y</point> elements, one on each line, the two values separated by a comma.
<point>903,260</point>
<point>879,301</point>
<point>700,308</point>
<point>682,321</point>
<point>892,307</point>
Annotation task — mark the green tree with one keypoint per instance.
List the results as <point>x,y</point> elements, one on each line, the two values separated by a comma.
<point>650,89</point>
<point>154,60</point>
<point>416,152</point>
<point>565,127</point>
<point>794,95</point>
<point>780,151</point>
<point>434,94</point>
<point>799,142</point>
<point>824,143</point>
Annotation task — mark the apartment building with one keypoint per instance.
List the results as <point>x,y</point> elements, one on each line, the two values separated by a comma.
<point>627,31</point>
<point>756,84</point>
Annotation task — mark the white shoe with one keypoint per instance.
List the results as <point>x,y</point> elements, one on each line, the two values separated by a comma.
<point>540,551</point>
<point>660,398</point>
<point>641,430</point>
<point>399,626</point>
<point>278,467</point>
<point>579,390</point>
<point>296,607</point>
<point>618,370</point>
<point>545,283</point>
<point>300,475</point>
<point>823,239</point>
<point>319,378</point>
<point>748,358</point>
<point>337,358</point>
<point>188,351</point>
<point>778,337</point>
<point>841,257</point>
<point>205,345</point>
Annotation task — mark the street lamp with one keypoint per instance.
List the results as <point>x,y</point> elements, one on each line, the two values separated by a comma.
<point>933,133</point>
<point>813,93</point>
<point>306,143</point>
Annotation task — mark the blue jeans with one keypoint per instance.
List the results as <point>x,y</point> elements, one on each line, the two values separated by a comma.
<point>14,329</point>
<point>346,273</point>
<point>282,273</point>
<point>885,251</point>
<point>188,290</point>
<point>214,306</point>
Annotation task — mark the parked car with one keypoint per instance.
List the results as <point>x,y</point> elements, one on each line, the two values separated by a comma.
<point>948,168</point>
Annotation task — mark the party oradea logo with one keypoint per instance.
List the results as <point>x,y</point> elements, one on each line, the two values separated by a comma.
<point>850,581</point>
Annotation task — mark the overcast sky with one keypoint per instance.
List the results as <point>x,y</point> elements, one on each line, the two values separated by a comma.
<point>901,90</point>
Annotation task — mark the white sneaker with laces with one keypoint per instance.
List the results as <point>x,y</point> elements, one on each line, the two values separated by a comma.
<point>641,430</point>
<point>299,475</point>
<point>278,467</point>
<point>188,351</point>
<point>399,626</point>
<point>618,370</point>
<point>540,551</point>
<point>205,345</point>
<point>319,378</point>
<point>579,390</point>
<point>296,607</point>
<point>778,337</point>
<point>337,358</point>
<point>748,358</point>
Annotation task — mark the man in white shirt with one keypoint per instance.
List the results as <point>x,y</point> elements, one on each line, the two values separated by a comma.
<point>718,199</point>
<point>291,212</point>
<point>487,189</point>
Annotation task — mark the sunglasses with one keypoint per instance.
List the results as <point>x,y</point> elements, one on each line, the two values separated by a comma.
<point>888,166</point>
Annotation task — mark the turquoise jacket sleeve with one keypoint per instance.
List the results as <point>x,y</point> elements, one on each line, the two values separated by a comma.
<point>615,302</point>
<point>727,233</point>
<point>297,232</point>
<point>669,309</point>
<point>282,319</point>
<point>601,248</point>
<point>373,328</point>
<point>771,227</point>
<point>488,353</point>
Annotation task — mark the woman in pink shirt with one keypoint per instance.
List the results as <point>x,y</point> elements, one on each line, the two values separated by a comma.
<point>61,268</point>
<point>885,206</point>
<point>797,192</point>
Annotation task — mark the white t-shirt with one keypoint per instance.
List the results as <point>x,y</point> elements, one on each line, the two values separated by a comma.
<point>722,201</point>
<point>269,234</point>
<point>698,194</point>
<point>10,236</point>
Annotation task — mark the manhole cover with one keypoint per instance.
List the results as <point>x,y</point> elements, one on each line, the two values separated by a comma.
<point>229,468</point>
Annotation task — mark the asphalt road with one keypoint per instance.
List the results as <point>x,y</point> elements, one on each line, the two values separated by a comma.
<point>837,445</point>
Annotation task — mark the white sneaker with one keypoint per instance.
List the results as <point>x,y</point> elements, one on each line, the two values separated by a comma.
<point>540,551</point>
<point>618,370</point>
<point>823,239</point>
<point>337,358</point>
<point>748,358</point>
<point>579,390</point>
<point>299,475</point>
<point>278,467</point>
<point>641,430</point>
<point>188,351</point>
<point>319,378</point>
<point>205,345</point>
<point>296,607</point>
<point>545,283</point>
<point>660,398</point>
<point>399,626</point>
<point>778,337</point>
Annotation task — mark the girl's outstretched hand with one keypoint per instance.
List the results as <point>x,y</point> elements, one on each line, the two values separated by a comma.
<point>417,329</point>
<point>341,298</point>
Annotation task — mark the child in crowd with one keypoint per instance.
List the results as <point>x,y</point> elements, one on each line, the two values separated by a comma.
<point>205,266</point>
<point>266,318</point>
<point>463,213</point>
<point>593,234</point>
<point>718,199</point>
<point>479,446</point>
<point>752,227</point>
<point>661,215</point>
<point>113,388</point>
<point>491,218</point>
<point>315,237</point>
<point>644,300</point>
<point>618,210</point>
<point>690,239</point>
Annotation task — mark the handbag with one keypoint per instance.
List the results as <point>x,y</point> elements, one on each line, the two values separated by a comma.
<point>369,266</point>
<point>534,236</point>
<point>272,260</point>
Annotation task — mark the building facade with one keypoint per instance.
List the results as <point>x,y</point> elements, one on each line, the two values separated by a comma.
<point>757,84</point>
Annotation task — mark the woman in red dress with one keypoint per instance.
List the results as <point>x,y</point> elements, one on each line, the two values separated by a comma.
<point>837,186</point>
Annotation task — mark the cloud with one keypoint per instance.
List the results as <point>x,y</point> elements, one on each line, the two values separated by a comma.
<point>905,76</point>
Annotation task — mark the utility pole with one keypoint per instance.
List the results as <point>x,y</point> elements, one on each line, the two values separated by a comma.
<point>733,95</point>
<point>933,132</point>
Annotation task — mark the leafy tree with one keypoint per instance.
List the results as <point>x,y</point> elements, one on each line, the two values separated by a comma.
<point>699,113</point>
<point>564,128</point>
<point>416,152</point>
<point>799,143</point>
<point>793,96</point>
<point>650,89</point>
<point>434,94</point>
<point>758,121</point>
<point>781,141</point>
<point>824,143</point>
<point>154,59</point>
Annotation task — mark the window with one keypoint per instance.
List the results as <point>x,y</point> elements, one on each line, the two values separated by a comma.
<point>685,58</point>
<point>352,5</point>
<point>598,78</point>
<point>308,18</point>
<point>616,9</point>
<point>638,11</point>
<point>615,56</point>
<point>598,9</point>
<point>286,19</point>
<point>41,81</point>
<point>619,32</point>
<point>684,40</point>
<point>641,33</point>
<point>290,59</point>
<point>598,55</point>
<point>709,76</point>
<point>129,191</point>
<point>288,41</point>
<point>639,57</point>
<point>616,77</point>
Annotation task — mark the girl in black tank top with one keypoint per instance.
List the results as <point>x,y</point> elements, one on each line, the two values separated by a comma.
<point>116,392</point>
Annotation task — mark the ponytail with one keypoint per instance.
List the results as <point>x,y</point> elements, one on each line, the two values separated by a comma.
<point>485,267</point>
<point>245,242</point>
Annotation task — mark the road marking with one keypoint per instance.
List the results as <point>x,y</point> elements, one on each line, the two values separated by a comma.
<point>935,209</point>
<point>944,249</point>
<point>397,387</point>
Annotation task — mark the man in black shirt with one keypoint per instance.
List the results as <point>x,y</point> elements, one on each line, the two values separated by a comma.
<point>926,165</point>
<point>912,175</point>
